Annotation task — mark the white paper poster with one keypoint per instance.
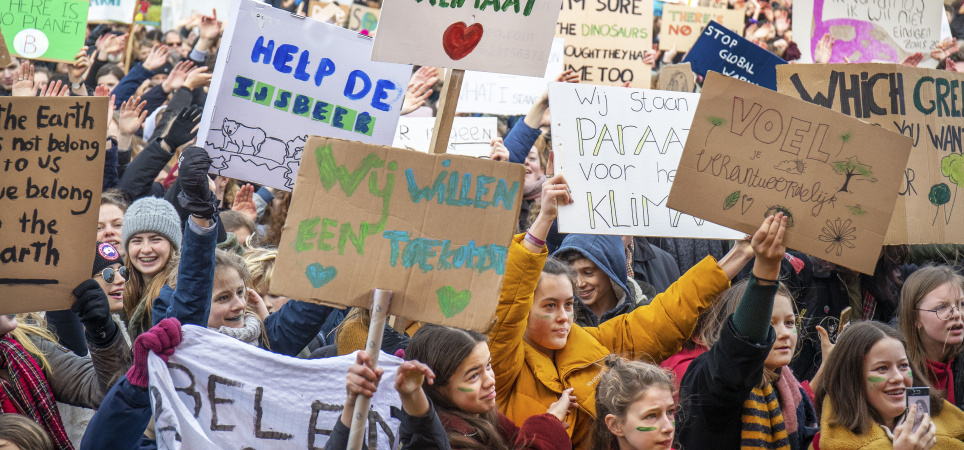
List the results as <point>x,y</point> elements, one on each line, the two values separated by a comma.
<point>119,11</point>
<point>174,10</point>
<point>490,36</point>
<point>216,392</point>
<point>619,149</point>
<point>471,136</point>
<point>510,95</point>
<point>281,78</point>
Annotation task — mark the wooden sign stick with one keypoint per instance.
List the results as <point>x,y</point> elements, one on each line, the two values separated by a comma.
<point>376,329</point>
<point>445,113</point>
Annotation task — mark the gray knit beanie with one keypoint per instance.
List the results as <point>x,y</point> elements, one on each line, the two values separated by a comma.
<point>152,215</point>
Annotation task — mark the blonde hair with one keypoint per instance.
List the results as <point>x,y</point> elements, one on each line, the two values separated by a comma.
<point>260,263</point>
<point>33,324</point>
<point>138,290</point>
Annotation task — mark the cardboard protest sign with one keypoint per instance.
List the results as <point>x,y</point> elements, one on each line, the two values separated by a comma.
<point>511,37</point>
<point>619,149</point>
<point>361,17</point>
<point>119,11</point>
<point>498,93</point>
<point>471,136</point>
<point>683,24</point>
<point>217,392</point>
<point>923,104</point>
<point>607,41</point>
<point>433,229</point>
<point>52,170</point>
<point>284,77</point>
<point>678,78</point>
<point>4,53</point>
<point>174,10</point>
<point>871,31</point>
<point>753,152</point>
<point>46,30</point>
<point>329,12</point>
<point>721,50</point>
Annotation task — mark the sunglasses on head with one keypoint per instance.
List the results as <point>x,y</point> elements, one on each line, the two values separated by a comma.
<point>109,273</point>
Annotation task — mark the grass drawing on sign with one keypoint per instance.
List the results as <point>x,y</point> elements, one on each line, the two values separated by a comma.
<point>852,167</point>
<point>844,139</point>
<point>250,150</point>
<point>839,234</point>
<point>856,210</point>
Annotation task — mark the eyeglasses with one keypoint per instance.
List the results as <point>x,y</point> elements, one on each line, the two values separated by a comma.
<point>944,312</point>
<point>108,274</point>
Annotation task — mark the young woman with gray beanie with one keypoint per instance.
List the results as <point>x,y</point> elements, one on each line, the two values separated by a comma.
<point>151,236</point>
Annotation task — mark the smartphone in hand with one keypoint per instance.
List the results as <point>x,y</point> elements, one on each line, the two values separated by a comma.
<point>919,396</point>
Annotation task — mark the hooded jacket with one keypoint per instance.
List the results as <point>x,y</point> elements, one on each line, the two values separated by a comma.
<point>950,432</point>
<point>607,253</point>
<point>527,381</point>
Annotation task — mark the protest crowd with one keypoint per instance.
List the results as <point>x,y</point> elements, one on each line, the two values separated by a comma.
<point>598,341</point>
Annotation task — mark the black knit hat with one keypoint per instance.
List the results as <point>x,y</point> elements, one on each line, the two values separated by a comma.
<point>105,256</point>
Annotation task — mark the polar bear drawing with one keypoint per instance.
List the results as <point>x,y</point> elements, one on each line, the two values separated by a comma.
<point>238,136</point>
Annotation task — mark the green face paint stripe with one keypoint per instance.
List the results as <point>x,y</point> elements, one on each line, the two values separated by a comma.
<point>874,379</point>
<point>547,317</point>
<point>646,428</point>
<point>465,389</point>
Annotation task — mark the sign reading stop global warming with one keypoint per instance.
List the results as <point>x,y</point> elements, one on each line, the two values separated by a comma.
<point>924,104</point>
<point>683,24</point>
<point>47,30</point>
<point>720,50</point>
<point>752,153</point>
<point>619,149</point>
<point>870,31</point>
<point>471,136</point>
<point>51,170</point>
<point>606,41</point>
<point>506,36</point>
<point>285,77</point>
<point>216,392</point>
<point>433,229</point>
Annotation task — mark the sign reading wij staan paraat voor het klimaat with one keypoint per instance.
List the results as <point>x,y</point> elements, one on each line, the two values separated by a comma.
<point>619,149</point>
<point>752,153</point>
<point>46,30</point>
<point>504,36</point>
<point>280,78</point>
<point>433,229</point>
<point>719,49</point>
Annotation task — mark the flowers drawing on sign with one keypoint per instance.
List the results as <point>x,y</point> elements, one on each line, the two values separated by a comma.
<point>716,121</point>
<point>838,233</point>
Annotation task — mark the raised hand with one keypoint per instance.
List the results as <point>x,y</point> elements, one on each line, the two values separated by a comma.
<point>560,408</point>
<point>178,76</point>
<point>568,76</point>
<point>132,116</point>
<point>362,379</point>
<point>417,94</point>
<point>913,60</point>
<point>210,28</point>
<point>24,85</point>
<point>257,303</point>
<point>157,57</point>
<point>499,152</point>
<point>197,77</point>
<point>244,203</point>
<point>184,127</point>
<point>423,74</point>
<point>55,89</point>
<point>924,438</point>
<point>555,192</point>
<point>78,70</point>
<point>768,248</point>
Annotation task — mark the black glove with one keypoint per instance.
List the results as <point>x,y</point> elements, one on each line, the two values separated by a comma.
<point>93,308</point>
<point>196,197</point>
<point>183,127</point>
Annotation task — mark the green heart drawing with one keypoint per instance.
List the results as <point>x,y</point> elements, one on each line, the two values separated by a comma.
<point>452,302</point>
<point>320,275</point>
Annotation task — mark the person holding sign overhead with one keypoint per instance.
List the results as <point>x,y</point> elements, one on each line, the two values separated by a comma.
<point>537,350</point>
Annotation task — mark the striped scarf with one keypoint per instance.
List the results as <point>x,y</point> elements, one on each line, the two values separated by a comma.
<point>763,426</point>
<point>28,393</point>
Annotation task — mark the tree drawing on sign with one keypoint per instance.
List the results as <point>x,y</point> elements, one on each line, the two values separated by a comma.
<point>939,195</point>
<point>838,233</point>
<point>851,167</point>
<point>716,121</point>
<point>952,167</point>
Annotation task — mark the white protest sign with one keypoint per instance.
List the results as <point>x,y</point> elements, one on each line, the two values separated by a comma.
<point>216,392</point>
<point>487,35</point>
<point>471,136</point>
<point>120,11</point>
<point>174,10</point>
<point>510,95</point>
<point>280,78</point>
<point>619,149</point>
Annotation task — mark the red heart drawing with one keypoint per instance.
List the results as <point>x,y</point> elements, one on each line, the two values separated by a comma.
<point>459,40</point>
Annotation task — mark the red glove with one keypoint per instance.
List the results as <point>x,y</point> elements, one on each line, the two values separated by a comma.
<point>161,339</point>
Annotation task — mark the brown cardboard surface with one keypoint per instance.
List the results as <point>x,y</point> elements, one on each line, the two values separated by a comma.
<point>905,100</point>
<point>677,78</point>
<point>4,53</point>
<point>606,43</point>
<point>683,24</point>
<point>351,200</point>
<point>43,260</point>
<point>752,152</point>
<point>330,12</point>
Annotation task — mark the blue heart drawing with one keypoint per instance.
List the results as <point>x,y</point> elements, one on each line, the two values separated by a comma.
<point>320,275</point>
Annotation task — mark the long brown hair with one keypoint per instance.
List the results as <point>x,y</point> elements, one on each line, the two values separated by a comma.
<point>618,388</point>
<point>443,349</point>
<point>916,287</point>
<point>24,433</point>
<point>844,383</point>
<point>138,290</point>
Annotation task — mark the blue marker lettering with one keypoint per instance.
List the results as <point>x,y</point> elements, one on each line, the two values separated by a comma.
<point>394,237</point>
<point>325,68</point>
<point>300,71</point>
<point>350,86</point>
<point>480,189</point>
<point>284,55</point>
<point>381,92</point>
<point>261,50</point>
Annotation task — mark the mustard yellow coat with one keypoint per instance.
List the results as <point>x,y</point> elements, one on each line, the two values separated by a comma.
<point>950,431</point>
<point>527,381</point>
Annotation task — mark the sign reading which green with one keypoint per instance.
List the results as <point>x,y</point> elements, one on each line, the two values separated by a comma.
<point>49,30</point>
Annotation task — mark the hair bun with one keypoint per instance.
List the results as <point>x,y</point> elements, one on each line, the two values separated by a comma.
<point>612,361</point>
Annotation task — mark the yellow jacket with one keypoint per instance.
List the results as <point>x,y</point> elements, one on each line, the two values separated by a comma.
<point>527,381</point>
<point>950,431</point>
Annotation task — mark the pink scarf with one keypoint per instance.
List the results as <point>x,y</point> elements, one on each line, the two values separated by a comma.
<point>790,398</point>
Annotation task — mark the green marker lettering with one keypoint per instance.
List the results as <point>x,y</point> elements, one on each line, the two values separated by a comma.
<point>464,389</point>
<point>874,379</point>
<point>646,428</point>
